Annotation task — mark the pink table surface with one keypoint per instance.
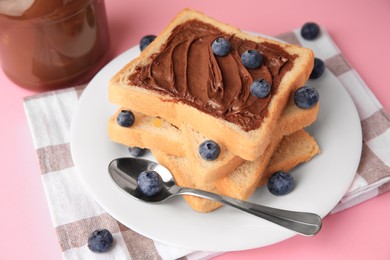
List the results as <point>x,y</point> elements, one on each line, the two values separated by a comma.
<point>361,32</point>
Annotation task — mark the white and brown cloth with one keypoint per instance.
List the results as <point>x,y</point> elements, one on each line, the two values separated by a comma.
<point>75,213</point>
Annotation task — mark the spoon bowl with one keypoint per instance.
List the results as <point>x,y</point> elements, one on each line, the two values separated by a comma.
<point>125,172</point>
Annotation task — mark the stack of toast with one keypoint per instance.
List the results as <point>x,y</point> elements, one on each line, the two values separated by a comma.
<point>181,95</point>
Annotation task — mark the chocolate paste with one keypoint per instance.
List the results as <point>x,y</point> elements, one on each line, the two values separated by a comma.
<point>187,70</point>
<point>50,44</point>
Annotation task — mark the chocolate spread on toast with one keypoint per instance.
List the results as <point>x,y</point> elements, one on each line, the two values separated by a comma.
<point>186,69</point>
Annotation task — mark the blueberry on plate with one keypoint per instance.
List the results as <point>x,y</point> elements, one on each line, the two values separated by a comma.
<point>280,183</point>
<point>209,150</point>
<point>136,151</point>
<point>310,31</point>
<point>100,241</point>
<point>220,46</point>
<point>146,40</point>
<point>125,118</point>
<point>260,88</point>
<point>149,183</point>
<point>318,68</point>
<point>306,97</point>
<point>251,59</point>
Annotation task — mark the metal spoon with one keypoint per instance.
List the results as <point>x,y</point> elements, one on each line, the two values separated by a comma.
<point>125,171</point>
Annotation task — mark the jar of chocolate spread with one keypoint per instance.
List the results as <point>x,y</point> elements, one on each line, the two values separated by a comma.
<point>51,44</point>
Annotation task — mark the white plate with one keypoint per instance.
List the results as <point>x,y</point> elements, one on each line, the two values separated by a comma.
<point>321,183</point>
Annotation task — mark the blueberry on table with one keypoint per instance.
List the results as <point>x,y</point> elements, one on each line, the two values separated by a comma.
<point>136,151</point>
<point>100,241</point>
<point>125,118</point>
<point>251,59</point>
<point>220,46</point>
<point>209,150</point>
<point>318,68</point>
<point>146,40</point>
<point>149,183</point>
<point>260,88</point>
<point>281,183</point>
<point>306,97</point>
<point>310,31</point>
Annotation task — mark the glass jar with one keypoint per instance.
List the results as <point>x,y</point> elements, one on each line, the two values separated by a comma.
<point>51,44</point>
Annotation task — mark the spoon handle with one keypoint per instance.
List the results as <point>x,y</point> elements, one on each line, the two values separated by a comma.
<point>304,223</point>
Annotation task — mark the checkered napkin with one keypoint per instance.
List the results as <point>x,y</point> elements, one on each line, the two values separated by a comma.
<point>75,214</point>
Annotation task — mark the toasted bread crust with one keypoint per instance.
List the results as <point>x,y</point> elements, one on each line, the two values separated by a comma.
<point>292,150</point>
<point>235,185</point>
<point>235,179</point>
<point>184,141</point>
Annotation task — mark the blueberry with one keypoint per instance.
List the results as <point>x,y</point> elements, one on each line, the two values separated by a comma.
<point>209,150</point>
<point>149,183</point>
<point>260,88</point>
<point>251,59</point>
<point>281,183</point>
<point>306,97</point>
<point>136,151</point>
<point>125,118</point>
<point>310,31</point>
<point>318,68</point>
<point>146,40</point>
<point>100,241</point>
<point>220,46</point>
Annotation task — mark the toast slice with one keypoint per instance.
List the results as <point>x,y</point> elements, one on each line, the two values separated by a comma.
<point>179,79</point>
<point>293,149</point>
<point>240,181</point>
<point>146,133</point>
<point>292,119</point>
<point>184,142</point>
